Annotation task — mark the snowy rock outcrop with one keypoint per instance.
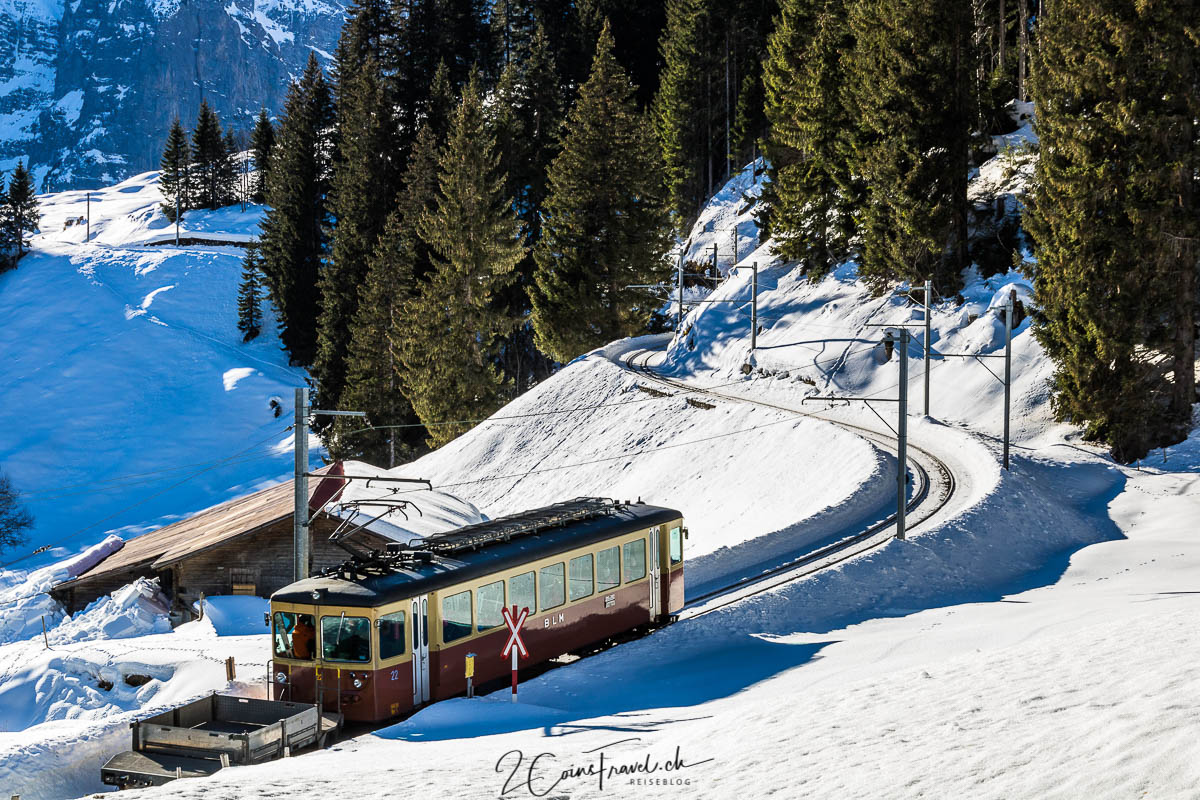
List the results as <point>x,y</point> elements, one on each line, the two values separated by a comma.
<point>88,88</point>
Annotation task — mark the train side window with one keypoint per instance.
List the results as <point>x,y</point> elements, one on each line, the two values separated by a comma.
<point>520,591</point>
<point>295,635</point>
<point>676,545</point>
<point>608,569</point>
<point>489,600</point>
<point>580,573</point>
<point>345,638</point>
<point>635,560</point>
<point>391,635</point>
<point>456,616</point>
<point>554,588</point>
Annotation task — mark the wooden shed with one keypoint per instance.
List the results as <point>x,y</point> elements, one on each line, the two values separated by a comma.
<point>243,546</point>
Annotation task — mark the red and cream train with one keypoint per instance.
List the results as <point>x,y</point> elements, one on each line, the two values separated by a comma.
<point>378,637</point>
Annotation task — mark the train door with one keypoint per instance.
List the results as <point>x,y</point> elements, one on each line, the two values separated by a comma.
<point>420,650</point>
<point>655,576</point>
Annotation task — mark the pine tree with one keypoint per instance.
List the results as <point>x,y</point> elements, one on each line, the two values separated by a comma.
<point>227,170</point>
<point>262,142</point>
<point>812,192</point>
<point>682,116</point>
<point>908,93</point>
<point>362,191</point>
<point>606,224</point>
<point>293,239</point>
<point>208,154</point>
<point>173,182</point>
<point>22,216</point>
<point>454,328</point>
<point>250,297</point>
<point>1114,218</point>
<point>401,261</point>
<point>638,27</point>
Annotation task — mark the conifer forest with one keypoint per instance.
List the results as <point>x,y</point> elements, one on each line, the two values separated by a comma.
<point>478,191</point>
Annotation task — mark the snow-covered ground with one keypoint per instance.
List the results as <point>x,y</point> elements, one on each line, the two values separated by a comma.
<point>130,399</point>
<point>1032,639</point>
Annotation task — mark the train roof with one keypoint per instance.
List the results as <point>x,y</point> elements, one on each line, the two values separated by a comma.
<point>473,551</point>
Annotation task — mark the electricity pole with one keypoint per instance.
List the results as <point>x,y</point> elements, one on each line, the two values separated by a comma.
<point>754,308</point>
<point>679,314</point>
<point>928,292</point>
<point>88,238</point>
<point>300,521</point>
<point>902,438</point>
<point>1008,326</point>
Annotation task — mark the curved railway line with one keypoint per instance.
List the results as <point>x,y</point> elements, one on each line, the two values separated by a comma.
<point>934,486</point>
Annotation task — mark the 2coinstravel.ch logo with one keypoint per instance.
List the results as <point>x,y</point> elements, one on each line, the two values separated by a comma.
<point>545,772</point>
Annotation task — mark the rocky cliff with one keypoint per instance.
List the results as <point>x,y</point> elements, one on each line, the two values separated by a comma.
<point>88,87</point>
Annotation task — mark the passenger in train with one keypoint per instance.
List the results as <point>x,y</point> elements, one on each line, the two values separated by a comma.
<point>303,637</point>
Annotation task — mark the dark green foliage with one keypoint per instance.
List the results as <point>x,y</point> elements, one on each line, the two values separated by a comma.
<point>812,196</point>
<point>374,367</point>
<point>708,52</point>
<point>293,238</point>
<point>250,296</point>
<point>262,141</point>
<point>1114,217</point>
<point>210,171</point>
<point>606,225</point>
<point>453,327</point>
<point>364,185</point>
<point>20,210</point>
<point>637,27</point>
<point>15,519</point>
<point>908,94</point>
<point>173,182</point>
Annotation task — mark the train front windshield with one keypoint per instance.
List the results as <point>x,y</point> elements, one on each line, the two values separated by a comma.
<point>295,635</point>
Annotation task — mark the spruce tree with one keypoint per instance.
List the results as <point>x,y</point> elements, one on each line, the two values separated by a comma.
<point>454,328</point>
<point>362,192</point>
<point>682,112</point>
<point>812,191</point>
<point>908,90</point>
<point>173,182</point>
<point>250,297</point>
<point>21,216</point>
<point>1114,218</point>
<point>262,142</point>
<point>374,366</point>
<point>606,225</point>
<point>8,245</point>
<point>227,170</point>
<point>208,158</point>
<point>293,239</point>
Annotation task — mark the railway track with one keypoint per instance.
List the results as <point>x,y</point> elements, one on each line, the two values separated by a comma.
<point>933,487</point>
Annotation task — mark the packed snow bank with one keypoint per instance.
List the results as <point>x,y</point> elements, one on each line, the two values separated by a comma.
<point>25,604</point>
<point>231,615</point>
<point>138,609</point>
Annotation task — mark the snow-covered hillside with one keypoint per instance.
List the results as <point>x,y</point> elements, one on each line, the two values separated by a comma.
<point>1030,639</point>
<point>129,397</point>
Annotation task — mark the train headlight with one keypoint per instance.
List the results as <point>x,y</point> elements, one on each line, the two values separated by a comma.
<point>280,677</point>
<point>358,683</point>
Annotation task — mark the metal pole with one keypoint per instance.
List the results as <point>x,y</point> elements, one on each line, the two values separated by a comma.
<point>300,521</point>
<point>928,292</point>
<point>679,322</point>
<point>735,246</point>
<point>177,204</point>
<point>1008,320</point>
<point>88,238</point>
<point>902,438</point>
<point>716,272</point>
<point>754,308</point>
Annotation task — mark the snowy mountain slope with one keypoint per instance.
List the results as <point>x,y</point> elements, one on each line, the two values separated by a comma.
<point>130,399</point>
<point>92,86</point>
